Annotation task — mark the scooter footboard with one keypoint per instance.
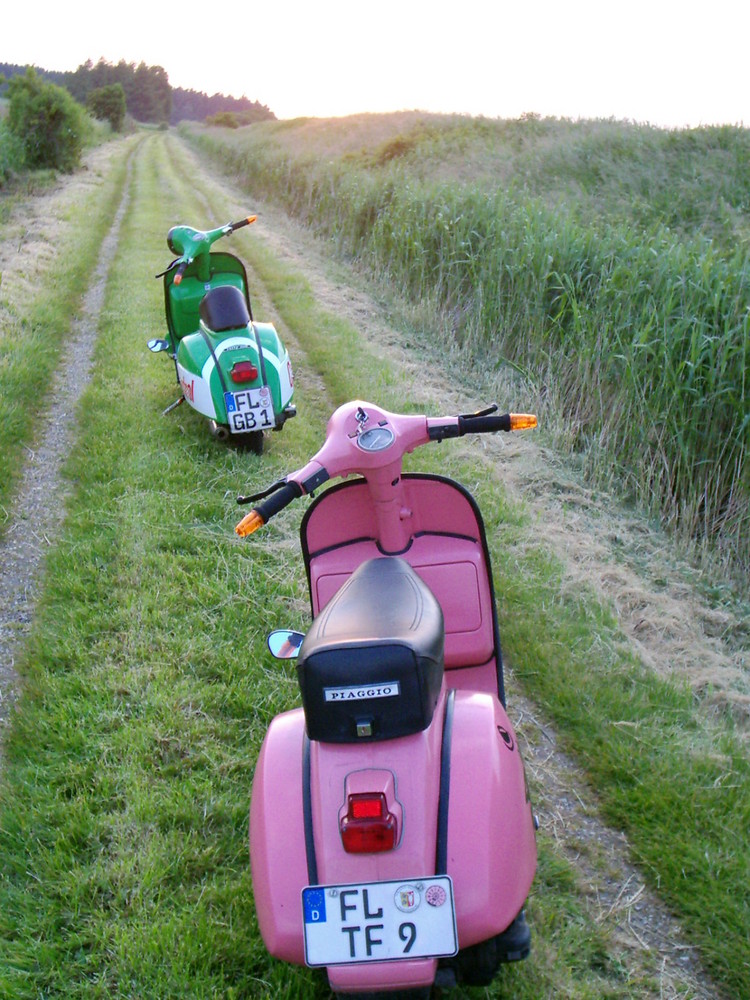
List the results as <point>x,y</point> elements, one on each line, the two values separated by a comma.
<point>491,850</point>
<point>277,840</point>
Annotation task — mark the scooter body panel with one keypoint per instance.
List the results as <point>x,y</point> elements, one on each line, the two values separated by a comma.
<point>448,551</point>
<point>491,836</point>
<point>204,362</point>
<point>487,841</point>
<point>277,837</point>
<point>411,766</point>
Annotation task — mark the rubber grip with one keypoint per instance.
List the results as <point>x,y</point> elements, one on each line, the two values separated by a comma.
<point>484,425</point>
<point>278,501</point>
<point>234,226</point>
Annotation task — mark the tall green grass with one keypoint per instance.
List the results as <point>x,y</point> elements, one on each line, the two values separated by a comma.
<point>635,333</point>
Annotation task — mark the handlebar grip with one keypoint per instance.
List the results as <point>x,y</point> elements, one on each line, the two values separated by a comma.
<point>484,424</point>
<point>243,222</point>
<point>267,508</point>
<point>180,272</point>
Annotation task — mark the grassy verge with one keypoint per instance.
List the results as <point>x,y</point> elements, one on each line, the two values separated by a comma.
<point>39,306</point>
<point>123,803</point>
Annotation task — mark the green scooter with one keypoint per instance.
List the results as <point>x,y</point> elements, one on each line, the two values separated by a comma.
<point>230,368</point>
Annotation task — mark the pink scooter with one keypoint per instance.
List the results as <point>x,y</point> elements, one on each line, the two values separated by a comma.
<point>392,839</point>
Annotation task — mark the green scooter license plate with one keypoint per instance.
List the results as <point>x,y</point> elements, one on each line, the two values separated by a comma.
<point>379,921</point>
<point>249,410</point>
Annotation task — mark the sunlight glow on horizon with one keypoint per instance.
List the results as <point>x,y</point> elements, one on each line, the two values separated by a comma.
<point>666,64</point>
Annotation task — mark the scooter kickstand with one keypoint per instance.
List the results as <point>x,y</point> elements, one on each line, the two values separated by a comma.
<point>172,406</point>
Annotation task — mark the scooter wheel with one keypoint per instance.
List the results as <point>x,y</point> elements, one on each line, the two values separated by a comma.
<point>250,442</point>
<point>478,964</point>
<point>423,993</point>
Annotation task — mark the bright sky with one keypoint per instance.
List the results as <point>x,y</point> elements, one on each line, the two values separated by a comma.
<point>660,61</point>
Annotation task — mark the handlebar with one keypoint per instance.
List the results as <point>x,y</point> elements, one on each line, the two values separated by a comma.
<point>188,243</point>
<point>234,226</point>
<point>362,438</point>
<point>482,423</point>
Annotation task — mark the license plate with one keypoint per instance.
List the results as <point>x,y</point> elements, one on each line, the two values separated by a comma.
<point>249,410</point>
<point>379,921</point>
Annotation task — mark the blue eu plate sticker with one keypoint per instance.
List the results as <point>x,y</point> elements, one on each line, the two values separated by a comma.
<point>314,901</point>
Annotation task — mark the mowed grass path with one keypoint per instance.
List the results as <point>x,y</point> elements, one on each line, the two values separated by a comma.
<point>123,799</point>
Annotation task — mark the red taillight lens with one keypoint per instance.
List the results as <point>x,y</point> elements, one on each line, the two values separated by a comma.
<point>368,827</point>
<point>243,371</point>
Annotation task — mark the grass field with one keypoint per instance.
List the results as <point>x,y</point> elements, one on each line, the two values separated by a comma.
<point>147,688</point>
<point>608,262</point>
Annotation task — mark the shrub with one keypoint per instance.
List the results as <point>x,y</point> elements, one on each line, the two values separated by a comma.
<point>11,153</point>
<point>226,119</point>
<point>108,104</point>
<point>47,121</point>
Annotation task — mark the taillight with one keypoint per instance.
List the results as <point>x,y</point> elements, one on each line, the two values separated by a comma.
<point>243,371</point>
<point>368,826</point>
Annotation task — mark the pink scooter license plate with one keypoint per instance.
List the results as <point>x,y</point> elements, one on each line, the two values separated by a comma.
<point>379,921</point>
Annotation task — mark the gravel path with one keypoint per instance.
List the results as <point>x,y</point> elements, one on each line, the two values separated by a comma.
<point>34,518</point>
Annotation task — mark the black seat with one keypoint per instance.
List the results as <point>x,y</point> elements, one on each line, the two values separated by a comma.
<point>224,308</point>
<point>371,665</point>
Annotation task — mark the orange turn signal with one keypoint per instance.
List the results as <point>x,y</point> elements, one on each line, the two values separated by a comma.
<point>249,523</point>
<point>251,218</point>
<point>177,279</point>
<point>522,421</point>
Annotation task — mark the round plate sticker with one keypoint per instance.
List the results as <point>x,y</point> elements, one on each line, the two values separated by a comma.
<point>436,895</point>
<point>407,898</point>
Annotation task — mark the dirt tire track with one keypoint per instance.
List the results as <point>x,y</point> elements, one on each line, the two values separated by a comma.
<point>34,519</point>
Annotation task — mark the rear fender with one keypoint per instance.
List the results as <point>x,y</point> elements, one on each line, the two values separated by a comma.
<point>491,832</point>
<point>277,837</point>
<point>415,763</point>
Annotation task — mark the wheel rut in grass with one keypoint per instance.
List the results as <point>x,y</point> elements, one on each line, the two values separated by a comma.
<point>32,522</point>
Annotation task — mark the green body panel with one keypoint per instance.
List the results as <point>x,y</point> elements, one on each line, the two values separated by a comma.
<point>194,351</point>
<point>270,340</point>
<point>183,301</point>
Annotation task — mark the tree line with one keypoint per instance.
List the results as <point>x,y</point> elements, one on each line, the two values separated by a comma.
<point>149,97</point>
<point>46,125</point>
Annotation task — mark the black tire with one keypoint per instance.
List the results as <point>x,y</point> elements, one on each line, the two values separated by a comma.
<point>478,965</point>
<point>421,994</point>
<point>250,442</point>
